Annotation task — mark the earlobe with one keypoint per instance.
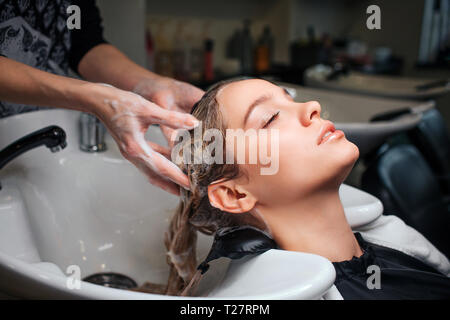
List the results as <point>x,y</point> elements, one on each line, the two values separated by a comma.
<point>228,197</point>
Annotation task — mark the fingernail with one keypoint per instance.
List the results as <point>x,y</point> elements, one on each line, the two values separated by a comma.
<point>187,188</point>
<point>191,123</point>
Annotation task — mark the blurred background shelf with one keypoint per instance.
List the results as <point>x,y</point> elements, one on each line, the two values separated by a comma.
<point>205,41</point>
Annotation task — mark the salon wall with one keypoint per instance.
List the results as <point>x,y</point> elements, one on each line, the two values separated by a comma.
<point>401,25</point>
<point>124,26</point>
<point>326,16</point>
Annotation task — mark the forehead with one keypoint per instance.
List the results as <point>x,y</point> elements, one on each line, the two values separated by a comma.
<point>234,98</point>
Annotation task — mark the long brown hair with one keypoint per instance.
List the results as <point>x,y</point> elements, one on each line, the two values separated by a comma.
<point>195,213</point>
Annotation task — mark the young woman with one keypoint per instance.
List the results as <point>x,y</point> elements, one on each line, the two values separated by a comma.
<point>299,205</point>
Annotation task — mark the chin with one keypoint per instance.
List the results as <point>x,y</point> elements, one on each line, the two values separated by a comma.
<point>350,154</point>
<point>345,158</point>
<point>355,151</point>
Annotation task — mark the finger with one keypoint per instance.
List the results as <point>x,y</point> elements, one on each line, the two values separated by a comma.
<point>163,183</point>
<point>187,95</point>
<point>160,149</point>
<point>167,101</point>
<point>161,166</point>
<point>168,134</point>
<point>166,185</point>
<point>144,157</point>
<point>157,180</point>
<point>171,135</point>
<point>167,169</point>
<point>173,119</point>
<point>193,97</point>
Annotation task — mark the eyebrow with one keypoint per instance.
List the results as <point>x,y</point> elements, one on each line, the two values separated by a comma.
<point>258,101</point>
<point>286,91</point>
<point>261,100</point>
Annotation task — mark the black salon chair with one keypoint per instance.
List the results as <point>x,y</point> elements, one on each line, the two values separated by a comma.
<point>401,178</point>
<point>431,137</point>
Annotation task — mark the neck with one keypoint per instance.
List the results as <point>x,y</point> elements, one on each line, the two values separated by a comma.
<point>314,224</point>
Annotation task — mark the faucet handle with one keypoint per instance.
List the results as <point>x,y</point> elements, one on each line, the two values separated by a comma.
<point>53,137</point>
<point>92,133</point>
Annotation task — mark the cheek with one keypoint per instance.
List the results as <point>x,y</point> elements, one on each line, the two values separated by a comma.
<point>299,158</point>
<point>336,160</point>
<point>304,165</point>
<point>296,163</point>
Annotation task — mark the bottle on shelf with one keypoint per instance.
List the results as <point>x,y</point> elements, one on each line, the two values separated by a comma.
<point>246,49</point>
<point>180,54</point>
<point>264,51</point>
<point>208,60</point>
<point>163,52</point>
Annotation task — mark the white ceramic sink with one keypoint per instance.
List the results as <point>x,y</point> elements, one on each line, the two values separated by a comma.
<point>98,212</point>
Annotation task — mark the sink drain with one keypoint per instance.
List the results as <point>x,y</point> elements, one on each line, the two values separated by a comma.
<point>111,280</point>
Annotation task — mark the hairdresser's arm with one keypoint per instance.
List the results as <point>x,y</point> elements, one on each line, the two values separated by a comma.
<point>126,115</point>
<point>105,63</point>
<point>20,83</point>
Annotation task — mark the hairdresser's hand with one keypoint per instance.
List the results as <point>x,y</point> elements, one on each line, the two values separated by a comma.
<point>169,94</point>
<point>127,117</point>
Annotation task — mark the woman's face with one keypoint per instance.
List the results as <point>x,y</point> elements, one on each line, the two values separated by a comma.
<point>306,163</point>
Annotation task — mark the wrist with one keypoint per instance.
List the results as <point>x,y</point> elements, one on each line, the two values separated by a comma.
<point>90,96</point>
<point>147,78</point>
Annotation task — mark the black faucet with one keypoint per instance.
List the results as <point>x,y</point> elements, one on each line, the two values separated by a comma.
<point>53,137</point>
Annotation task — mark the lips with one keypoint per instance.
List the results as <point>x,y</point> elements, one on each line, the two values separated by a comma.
<point>327,132</point>
<point>327,126</point>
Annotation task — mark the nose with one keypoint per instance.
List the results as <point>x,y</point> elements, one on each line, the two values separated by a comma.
<point>309,112</point>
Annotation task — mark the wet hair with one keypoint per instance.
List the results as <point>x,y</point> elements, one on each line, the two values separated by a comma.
<point>195,212</point>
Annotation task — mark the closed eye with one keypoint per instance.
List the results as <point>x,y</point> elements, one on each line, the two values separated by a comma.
<point>273,117</point>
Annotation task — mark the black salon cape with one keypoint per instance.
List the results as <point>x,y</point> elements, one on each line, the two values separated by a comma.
<point>401,277</point>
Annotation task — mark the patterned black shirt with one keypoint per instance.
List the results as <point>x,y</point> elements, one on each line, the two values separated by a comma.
<point>34,32</point>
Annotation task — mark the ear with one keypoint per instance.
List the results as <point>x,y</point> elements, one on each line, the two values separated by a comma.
<point>230,197</point>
